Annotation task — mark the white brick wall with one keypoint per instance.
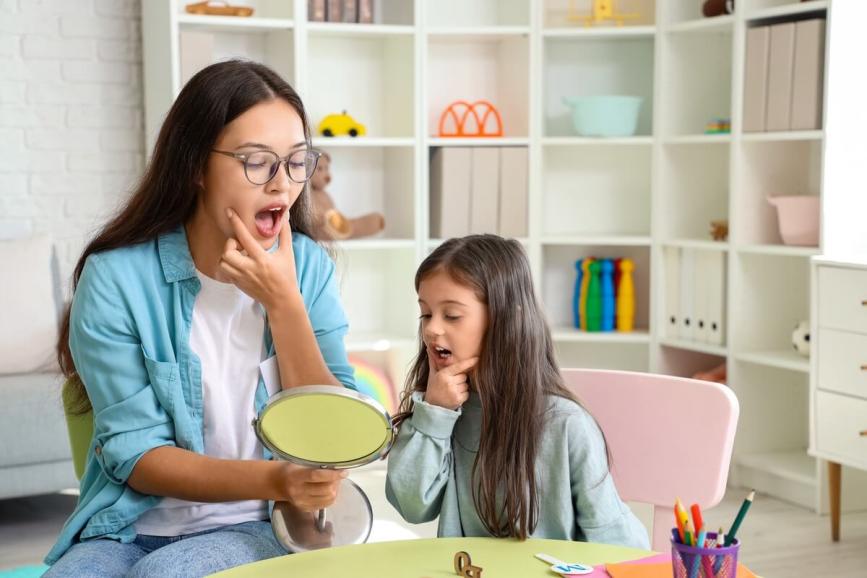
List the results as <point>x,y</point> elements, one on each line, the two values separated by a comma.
<point>71,128</point>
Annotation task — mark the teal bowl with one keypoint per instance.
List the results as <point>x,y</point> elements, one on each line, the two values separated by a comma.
<point>609,116</point>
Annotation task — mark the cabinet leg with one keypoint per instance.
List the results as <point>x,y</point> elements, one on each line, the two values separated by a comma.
<point>834,482</point>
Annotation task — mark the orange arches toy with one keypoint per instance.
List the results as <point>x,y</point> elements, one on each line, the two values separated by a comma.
<point>465,119</point>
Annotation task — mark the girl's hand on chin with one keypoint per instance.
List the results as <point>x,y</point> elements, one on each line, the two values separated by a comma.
<point>448,387</point>
<point>269,278</point>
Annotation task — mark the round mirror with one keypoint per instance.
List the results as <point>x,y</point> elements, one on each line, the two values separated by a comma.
<point>325,426</point>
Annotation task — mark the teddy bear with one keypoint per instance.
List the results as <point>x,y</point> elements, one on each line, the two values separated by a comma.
<point>718,7</point>
<point>329,223</point>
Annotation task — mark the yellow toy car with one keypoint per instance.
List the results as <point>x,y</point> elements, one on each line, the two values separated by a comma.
<point>340,125</point>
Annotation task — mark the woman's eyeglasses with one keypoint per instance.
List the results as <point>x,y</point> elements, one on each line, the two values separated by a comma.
<point>261,166</point>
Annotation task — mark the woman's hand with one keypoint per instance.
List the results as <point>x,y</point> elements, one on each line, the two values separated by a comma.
<point>448,387</point>
<point>266,277</point>
<point>306,489</point>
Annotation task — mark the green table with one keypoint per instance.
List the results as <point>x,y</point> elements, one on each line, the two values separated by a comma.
<point>434,558</point>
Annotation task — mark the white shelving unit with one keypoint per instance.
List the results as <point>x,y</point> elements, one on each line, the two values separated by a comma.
<point>622,197</point>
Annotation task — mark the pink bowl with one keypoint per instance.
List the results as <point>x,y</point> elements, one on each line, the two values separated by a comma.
<point>798,218</point>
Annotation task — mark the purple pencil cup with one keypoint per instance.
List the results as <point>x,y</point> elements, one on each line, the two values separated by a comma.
<point>711,562</point>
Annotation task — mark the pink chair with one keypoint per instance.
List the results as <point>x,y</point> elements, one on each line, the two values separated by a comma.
<point>668,437</point>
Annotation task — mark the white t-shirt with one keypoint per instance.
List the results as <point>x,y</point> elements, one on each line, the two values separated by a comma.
<point>228,336</point>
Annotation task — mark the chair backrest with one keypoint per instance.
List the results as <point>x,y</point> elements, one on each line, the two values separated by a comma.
<point>80,428</point>
<point>668,437</point>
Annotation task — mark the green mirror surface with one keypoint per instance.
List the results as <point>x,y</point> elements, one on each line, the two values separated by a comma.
<point>324,428</point>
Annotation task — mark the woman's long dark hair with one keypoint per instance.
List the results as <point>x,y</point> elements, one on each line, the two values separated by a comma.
<point>516,372</point>
<point>165,197</point>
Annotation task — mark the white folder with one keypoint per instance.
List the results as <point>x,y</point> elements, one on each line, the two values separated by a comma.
<point>716,283</point>
<point>687,281</point>
<point>672,292</point>
<point>704,261</point>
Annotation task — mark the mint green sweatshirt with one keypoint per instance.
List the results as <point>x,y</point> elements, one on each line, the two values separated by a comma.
<point>430,466</point>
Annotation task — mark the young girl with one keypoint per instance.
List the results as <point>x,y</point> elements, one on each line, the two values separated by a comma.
<point>495,444</point>
<point>177,302</point>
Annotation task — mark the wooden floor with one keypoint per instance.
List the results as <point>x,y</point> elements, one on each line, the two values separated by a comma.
<point>780,540</point>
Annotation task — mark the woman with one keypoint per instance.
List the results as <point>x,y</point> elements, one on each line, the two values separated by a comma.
<point>204,274</point>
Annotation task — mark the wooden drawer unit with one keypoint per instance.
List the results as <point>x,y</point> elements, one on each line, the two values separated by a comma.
<point>842,362</point>
<point>843,299</point>
<point>844,428</point>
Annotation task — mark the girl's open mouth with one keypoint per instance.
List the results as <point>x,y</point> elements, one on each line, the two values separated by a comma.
<point>442,354</point>
<point>269,221</point>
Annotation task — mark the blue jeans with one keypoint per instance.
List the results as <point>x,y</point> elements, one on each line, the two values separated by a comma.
<point>196,554</point>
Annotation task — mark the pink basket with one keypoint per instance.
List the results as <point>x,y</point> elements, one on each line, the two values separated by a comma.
<point>711,562</point>
<point>798,218</point>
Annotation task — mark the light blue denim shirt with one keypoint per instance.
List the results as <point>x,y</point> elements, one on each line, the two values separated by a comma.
<point>130,339</point>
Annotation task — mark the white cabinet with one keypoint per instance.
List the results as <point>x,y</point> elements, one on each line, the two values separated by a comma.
<point>838,388</point>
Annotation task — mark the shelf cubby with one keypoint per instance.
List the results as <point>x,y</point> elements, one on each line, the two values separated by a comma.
<point>445,14</point>
<point>480,67</point>
<point>204,42</point>
<point>773,432</point>
<point>558,281</point>
<point>773,408</point>
<point>382,179</point>
<point>698,89</point>
<point>696,189</point>
<point>262,10</point>
<point>683,362</point>
<point>586,191</point>
<point>773,298</point>
<point>779,358</point>
<point>766,9</point>
<point>771,169</point>
<point>377,292</point>
<point>562,14</point>
<point>371,78</point>
<point>577,66</point>
<point>686,11</point>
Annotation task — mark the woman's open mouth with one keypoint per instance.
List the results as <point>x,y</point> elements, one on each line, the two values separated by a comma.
<point>269,221</point>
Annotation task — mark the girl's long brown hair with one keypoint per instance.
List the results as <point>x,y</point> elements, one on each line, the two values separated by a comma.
<point>516,372</point>
<point>165,197</point>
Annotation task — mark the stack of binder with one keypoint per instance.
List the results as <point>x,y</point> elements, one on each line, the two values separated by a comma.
<point>784,76</point>
<point>478,190</point>
<point>340,11</point>
<point>695,283</point>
